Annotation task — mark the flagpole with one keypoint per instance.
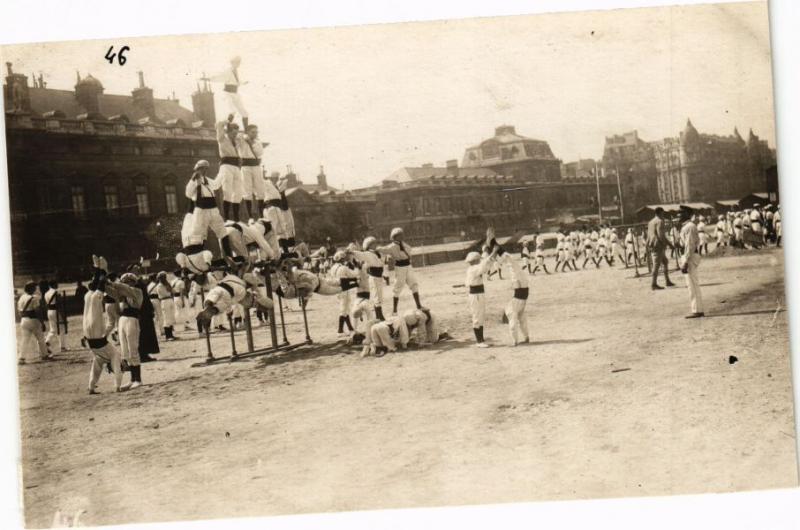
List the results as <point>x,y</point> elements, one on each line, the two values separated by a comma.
<point>597,180</point>
<point>619,194</point>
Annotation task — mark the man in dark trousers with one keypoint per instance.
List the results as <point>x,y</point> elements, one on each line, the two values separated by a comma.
<point>657,243</point>
<point>148,338</point>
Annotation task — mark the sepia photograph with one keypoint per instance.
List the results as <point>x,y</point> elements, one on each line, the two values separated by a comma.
<point>421,264</point>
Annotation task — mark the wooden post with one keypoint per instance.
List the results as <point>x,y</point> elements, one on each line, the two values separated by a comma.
<point>248,330</point>
<point>636,253</point>
<point>305,319</point>
<point>209,355</point>
<point>233,337</point>
<point>273,332</point>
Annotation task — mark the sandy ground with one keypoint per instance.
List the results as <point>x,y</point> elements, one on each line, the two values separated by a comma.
<point>318,430</point>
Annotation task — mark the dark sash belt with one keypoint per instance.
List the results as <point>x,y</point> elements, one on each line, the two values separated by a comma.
<point>274,203</point>
<point>97,343</point>
<point>231,161</point>
<point>205,203</point>
<point>251,162</point>
<point>231,88</point>
<point>193,249</point>
<point>476,289</point>
<point>227,288</point>
<point>402,263</point>
<point>53,307</point>
<point>348,283</point>
<point>362,294</point>
<point>521,293</point>
<point>30,314</point>
<point>375,272</point>
<point>153,297</point>
<point>237,226</point>
<point>130,312</point>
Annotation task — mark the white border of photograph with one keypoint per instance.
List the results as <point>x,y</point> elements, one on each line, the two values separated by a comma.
<point>52,20</point>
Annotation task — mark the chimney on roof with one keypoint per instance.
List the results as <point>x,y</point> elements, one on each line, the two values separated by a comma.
<point>452,167</point>
<point>291,178</point>
<point>203,104</point>
<point>322,180</point>
<point>88,91</point>
<point>427,165</point>
<point>42,83</point>
<point>15,92</point>
<point>143,99</point>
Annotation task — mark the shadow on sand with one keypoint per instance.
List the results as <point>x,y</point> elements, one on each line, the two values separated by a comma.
<point>747,313</point>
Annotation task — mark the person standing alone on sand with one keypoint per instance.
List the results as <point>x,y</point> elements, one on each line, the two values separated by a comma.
<point>690,261</point>
<point>657,243</point>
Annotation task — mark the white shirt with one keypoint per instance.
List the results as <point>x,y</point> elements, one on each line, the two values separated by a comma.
<point>475,272</point>
<point>518,278</point>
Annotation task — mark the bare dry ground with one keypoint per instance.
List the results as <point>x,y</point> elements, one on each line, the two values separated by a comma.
<point>618,395</point>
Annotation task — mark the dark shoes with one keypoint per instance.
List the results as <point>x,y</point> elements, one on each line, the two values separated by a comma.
<point>695,315</point>
<point>656,287</point>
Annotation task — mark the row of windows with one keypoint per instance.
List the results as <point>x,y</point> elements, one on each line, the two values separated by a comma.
<point>112,202</point>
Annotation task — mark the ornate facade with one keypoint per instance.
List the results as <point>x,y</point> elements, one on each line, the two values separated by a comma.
<point>91,172</point>
<point>508,153</point>
<point>708,167</point>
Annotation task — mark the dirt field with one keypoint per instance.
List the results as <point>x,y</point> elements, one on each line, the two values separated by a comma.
<point>318,430</point>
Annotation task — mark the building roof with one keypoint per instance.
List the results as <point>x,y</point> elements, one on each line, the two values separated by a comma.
<point>48,99</point>
<point>506,134</point>
<point>676,207</point>
<point>410,174</point>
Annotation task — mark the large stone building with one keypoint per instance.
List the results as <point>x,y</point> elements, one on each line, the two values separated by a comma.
<point>440,204</point>
<point>508,153</point>
<point>91,172</point>
<point>689,168</point>
<point>708,167</point>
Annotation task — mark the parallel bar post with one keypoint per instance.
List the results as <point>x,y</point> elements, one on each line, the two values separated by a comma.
<point>305,318</point>
<point>233,338</point>
<point>273,332</point>
<point>248,330</point>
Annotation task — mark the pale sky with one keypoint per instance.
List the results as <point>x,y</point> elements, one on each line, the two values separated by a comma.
<point>364,101</point>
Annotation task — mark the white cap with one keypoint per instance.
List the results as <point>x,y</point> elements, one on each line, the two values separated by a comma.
<point>397,231</point>
<point>338,255</point>
<point>201,163</point>
<point>472,257</point>
<point>368,241</point>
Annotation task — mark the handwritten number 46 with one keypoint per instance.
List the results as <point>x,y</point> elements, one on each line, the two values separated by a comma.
<point>110,54</point>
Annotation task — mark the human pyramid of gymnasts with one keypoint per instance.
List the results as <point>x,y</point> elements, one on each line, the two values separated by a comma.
<point>233,282</point>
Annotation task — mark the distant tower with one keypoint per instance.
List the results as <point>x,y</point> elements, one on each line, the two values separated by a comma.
<point>88,91</point>
<point>689,134</point>
<point>203,105</point>
<point>15,92</point>
<point>143,98</point>
<point>322,180</point>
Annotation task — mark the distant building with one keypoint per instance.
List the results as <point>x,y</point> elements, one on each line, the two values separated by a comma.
<point>634,161</point>
<point>708,167</point>
<point>91,172</point>
<point>450,203</point>
<point>508,153</point>
<point>580,169</point>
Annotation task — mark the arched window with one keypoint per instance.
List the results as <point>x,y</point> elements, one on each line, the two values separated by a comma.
<point>142,201</point>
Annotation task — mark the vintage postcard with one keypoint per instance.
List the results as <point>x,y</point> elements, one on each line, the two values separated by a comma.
<point>403,265</point>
